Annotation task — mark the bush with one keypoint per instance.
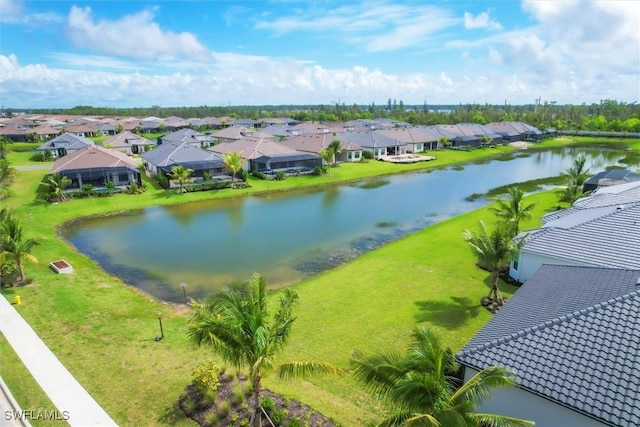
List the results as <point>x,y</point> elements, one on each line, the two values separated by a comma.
<point>38,157</point>
<point>133,188</point>
<point>280,176</point>
<point>367,155</point>
<point>206,378</point>
<point>317,171</point>
<point>162,180</point>
<point>259,175</point>
<point>87,190</point>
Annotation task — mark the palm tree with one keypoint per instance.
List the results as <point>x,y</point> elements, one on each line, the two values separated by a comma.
<point>494,252</point>
<point>180,174</point>
<point>233,162</point>
<point>327,155</point>
<point>444,141</point>
<point>335,147</point>
<point>422,387</point>
<point>513,210</point>
<point>237,326</point>
<point>56,185</point>
<point>14,244</point>
<point>575,177</point>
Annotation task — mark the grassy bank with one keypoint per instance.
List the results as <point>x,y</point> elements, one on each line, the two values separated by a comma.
<point>103,330</point>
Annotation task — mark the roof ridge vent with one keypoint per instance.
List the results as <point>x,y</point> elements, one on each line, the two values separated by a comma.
<point>620,207</point>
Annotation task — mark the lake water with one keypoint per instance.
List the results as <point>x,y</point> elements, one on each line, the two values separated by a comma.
<point>290,236</point>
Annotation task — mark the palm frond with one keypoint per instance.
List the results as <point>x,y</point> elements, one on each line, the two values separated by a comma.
<point>479,387</point>
<point>493,420</point>
<point>304,368</point>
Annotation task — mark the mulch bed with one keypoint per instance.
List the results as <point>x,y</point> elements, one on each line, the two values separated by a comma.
<point>236,412</point>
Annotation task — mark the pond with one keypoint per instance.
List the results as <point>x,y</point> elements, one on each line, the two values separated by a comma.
<point>294,235</point>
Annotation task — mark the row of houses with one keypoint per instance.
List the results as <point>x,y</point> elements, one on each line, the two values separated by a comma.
<point>293,154</point>
<point>42,128</point>
<point>571,333</point>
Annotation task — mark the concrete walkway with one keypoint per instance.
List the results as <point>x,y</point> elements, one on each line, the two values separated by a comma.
<point>72,401</point>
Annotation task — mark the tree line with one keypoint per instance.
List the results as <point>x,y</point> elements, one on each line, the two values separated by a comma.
<point>607,115</point>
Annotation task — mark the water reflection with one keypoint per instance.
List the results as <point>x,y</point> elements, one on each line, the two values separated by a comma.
<point>289,236</point>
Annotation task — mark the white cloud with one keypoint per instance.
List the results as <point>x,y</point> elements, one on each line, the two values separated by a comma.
<point>11,11</point>
<point>481,21</point>
<point>375,26</point>
<point>133,36</point>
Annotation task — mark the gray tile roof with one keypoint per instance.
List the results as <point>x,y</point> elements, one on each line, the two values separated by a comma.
<point>174,154</point>
<point>368,139</point>
<point>607,240</point>
<point>68,141</point>
<point>571,335</point>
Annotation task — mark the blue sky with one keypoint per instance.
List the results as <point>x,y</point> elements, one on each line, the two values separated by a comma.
<point>58,54</point>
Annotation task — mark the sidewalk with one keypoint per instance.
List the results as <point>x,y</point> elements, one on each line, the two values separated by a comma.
<point>70,398</point>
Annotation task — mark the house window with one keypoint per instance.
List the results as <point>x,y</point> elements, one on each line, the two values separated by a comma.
<point>356,155</point>
<point>515,262</point>
<point>349,155</point>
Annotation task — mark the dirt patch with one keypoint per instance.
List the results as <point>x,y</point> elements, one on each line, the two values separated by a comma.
<point>233,404</point>
<point>523,145</point>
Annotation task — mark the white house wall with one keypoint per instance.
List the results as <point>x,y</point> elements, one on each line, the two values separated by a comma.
<point>519,403</point>
<point>529,263</point>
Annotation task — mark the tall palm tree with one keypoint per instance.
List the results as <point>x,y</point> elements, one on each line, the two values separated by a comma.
<point>181,175</point>
<point>422,387</point>
<point>513,210</point>
<point>233,162</point>
<point>56,185</point>
<point>16,245</point>
<point>494,251</point>
<point>236,324</point>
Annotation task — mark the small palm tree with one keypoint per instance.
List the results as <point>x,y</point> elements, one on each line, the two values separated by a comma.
<point>233,162</point>
<point>513,210</point>
<point>575,177</point>
<point>56,185</point>
<point>15,245</point>
<point>494,251</point>
<point>422,387</point>
<point>327,155</point>
<point>236,324</point>
<point>181,175</point>
<point>335,147</point>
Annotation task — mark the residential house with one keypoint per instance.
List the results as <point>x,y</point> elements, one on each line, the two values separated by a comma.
<point>601,230</point>
<point>188,136</point>
<point>609,177</point>
<point>162,159</point>
<point>64,144</point>
<point>415,140</point>
<point>251,148</point>
<point>96,165</point>
<point>376,144</point>
<point>571,335</point>
<point>232,133</point>
<point>128,143</point>
<point>516,131</point>
<point>315,143</point>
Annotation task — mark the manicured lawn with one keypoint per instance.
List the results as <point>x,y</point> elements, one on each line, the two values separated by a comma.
<point>103,330</point>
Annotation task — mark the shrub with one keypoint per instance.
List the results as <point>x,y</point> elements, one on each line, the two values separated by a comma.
<point>211,418</point>
<point>268,404</point>
<point>258,174</point>
<point>280,176</point>
<point>87,190</point>
<point>133,188</point>
<point>279,416</point>
<point>367,155</point>
<point>162,180</point>
<point>38,157</point>
<point>224,409</point>
<point>317,171</point>
<point>205,378</point>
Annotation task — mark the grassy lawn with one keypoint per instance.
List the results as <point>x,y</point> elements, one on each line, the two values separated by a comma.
<point>103,330</point>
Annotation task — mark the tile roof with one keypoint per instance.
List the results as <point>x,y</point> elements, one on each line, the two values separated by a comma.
<point>93,157</point>
<point>252,148</point>
<point>125,139</point>
<point>368,139</point>
<point>172,153</point>
<point>571,335</point>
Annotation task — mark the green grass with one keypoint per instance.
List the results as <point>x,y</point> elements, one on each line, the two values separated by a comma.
<point>103,330</point>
